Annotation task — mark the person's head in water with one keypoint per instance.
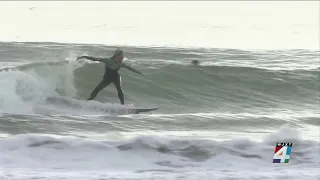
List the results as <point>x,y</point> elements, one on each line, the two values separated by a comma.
<point>118,55</point>
<point>195,62</point>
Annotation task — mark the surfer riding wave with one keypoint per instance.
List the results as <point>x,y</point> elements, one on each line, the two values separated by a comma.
<point>111,75</point>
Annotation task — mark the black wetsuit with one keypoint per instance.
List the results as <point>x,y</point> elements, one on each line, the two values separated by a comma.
<point>111,75</point>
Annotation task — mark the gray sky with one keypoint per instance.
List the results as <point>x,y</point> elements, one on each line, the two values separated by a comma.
<point>293,22</point>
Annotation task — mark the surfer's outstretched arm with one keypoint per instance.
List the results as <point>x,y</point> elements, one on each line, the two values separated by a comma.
<point>131,68</point>
<point>93,58</point>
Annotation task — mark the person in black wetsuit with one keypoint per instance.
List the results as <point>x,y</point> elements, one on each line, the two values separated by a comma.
<point>111,75</point>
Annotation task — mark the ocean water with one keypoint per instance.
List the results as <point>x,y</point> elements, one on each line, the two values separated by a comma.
<point>257,84</point>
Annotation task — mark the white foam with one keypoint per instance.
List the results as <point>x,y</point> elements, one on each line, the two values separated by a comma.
<point>22,91</point>
<point>36,151</point>
<point>30,91</point>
